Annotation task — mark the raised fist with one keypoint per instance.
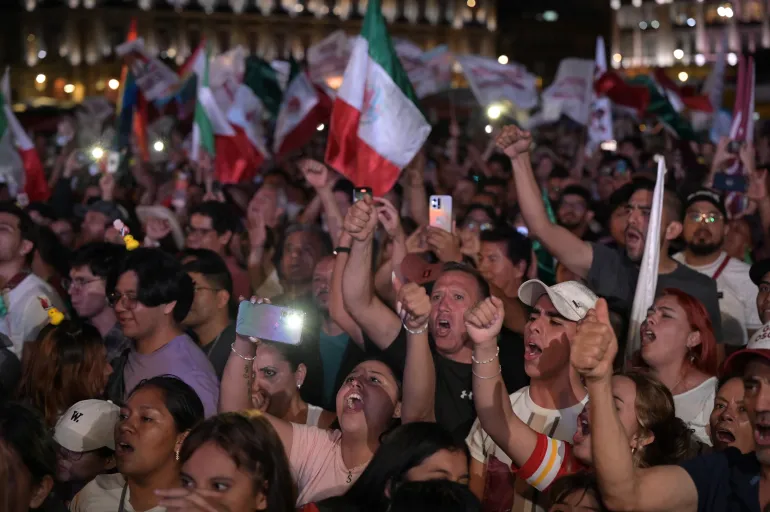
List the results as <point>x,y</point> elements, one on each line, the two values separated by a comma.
<point>315,173</point>
<point>513,141</point>
<point>412,304</point>
<point>594,347</point>
<point>361,219</point>
<point>484,321</point>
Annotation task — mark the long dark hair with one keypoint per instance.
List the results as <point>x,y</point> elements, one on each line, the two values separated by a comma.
<point>400,450</point>
<point>181,400</point>
<point>255,448</point>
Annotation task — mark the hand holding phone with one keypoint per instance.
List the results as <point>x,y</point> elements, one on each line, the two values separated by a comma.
<point>441,212</point>
<point>270,323</point>
<point>360,192</point>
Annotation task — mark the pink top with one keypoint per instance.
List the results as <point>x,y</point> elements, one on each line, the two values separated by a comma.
<point>317,465</point>
<point>241,282</point>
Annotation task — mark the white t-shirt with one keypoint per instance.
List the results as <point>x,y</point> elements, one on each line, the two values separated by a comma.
<point>26,317</point>
<point>694,407</point>
<point>737,300</point>
<point>103,493</point>
<point>503,491</point>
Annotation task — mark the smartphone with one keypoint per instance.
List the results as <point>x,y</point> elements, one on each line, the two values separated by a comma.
<point>441,212</point>
<point>730,183</point>
<point>270,323</point>
<point>113,162</point>
<point>609,145</point>
<point>360,192</point>
<point>734,146</point>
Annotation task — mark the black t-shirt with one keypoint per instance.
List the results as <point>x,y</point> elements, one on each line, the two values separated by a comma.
<point>726,481</point>
<point>218,349</point>
<point>454,381</point>
<point>613,276</point>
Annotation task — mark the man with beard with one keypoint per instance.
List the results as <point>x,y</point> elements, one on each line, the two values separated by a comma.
<point>760,276</point>
<point>610,273</point>
<point>457,289</point>
<point>705,228</point>
<point>575,212</point>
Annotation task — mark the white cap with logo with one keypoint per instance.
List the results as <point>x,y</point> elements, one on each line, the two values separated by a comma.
<point>571,299</point>
<point>88,425</point>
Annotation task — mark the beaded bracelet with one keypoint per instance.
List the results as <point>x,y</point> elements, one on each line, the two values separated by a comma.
<point>232,348</point>
<point>488,360</point>
<point>418,331</point>
<point>499,371</point>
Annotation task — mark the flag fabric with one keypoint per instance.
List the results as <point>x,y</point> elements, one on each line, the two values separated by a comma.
<point>429,72</point>
<point>303,108</point>
<point>27,181</point>
<point>631,97</point>
<point>132,109</point>
<point>715,83</point>
<point>233,155</point>
<point>570,93</point>
<point>681,97</point>
<point>742,128</point>
<point>661,108</point>
<point>491,81</point>
<point>600,124</point>
<point>328,59</point>
<point>648,272</point>
<point>376,126</point>
<point>155,79</point>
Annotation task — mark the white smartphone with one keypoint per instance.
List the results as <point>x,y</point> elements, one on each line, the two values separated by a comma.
<point>441,212</point>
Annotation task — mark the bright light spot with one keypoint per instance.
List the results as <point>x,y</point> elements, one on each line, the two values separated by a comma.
<point>488,128</point>
<point>335,82</point>
<point>683,76</point>
<point>97,153</point>
<point>728,12</point>
<point>294,321</point>
<point>41,54</point>
<point>69,88</point>
<point>503,59</point>
<point>617,57</point>
<point>678,53</point>
<point>654,24</point>
<point>732,59</point>
<point>690,22</point>
<point>40,78</point>
<point>636,3</point>
<point>158,146</point>
<point>721,11</point>
<point>113,84</point>
<point>700,59</point>
<point>550,16</point>
<point>756,116</point>
<point>494,112</point>
<point>615,4</point>
<point>320,127</point>
<point>471,3</point>
<point>643,25</point>
<point>171,52</point>
<point>299,8</point>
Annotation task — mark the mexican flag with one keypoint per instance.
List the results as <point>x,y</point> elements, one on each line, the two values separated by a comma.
<point>303,108</point>
<point>234,156</point>
<point>20,165</point>
<point>376,127</point>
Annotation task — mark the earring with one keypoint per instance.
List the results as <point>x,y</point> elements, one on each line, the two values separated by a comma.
<point>691,355</point>
<point>299,385</point>
<point>177,456</point>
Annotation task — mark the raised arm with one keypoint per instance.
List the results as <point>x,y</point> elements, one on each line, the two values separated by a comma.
<point>378,321</point>
<point>570,250</point>
<point>418,403</point>
<point>490,397</point>
<point>336,306</point>
<point>623,487</point>
<point>319,177</point>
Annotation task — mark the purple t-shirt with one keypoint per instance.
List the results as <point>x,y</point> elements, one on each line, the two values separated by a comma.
<point>182,358</point>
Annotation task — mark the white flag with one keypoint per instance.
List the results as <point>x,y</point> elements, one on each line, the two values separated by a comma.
<point>492,82</point>
<point>156,80</point>
<point>648,272</point>
<point>571,91</point>
<point>328,59</point>
<point>600,125</point>
<point>430,72</point>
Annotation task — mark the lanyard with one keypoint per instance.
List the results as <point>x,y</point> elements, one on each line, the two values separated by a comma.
<point>721,268</point>
<point>122,506</point>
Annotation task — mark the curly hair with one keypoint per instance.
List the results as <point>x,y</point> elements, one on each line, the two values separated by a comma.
<point>654,405</point>
<point>255,448</point>
<point>68,364</point>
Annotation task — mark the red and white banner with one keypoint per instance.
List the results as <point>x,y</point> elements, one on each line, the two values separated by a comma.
<point>491,81</point>
<point>430,72</point>
<point>156,80</point>
<point>600,124</point>
<point>328,59</point>
<point>571,92</point>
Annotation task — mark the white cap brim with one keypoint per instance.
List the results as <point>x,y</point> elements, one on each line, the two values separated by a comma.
<point>531,291</point>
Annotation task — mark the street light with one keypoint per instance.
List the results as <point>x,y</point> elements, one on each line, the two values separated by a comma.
<point>683,76</point>
<point>732,59</point>
<point>503,59</point>
<point>113,84</point>
<point>40,78</point>
<point>678,54</point>
<point>158,146</point>
<point>69,88</point>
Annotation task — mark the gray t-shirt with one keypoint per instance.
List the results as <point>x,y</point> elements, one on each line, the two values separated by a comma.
<point>182,358</point>
<point>613,276</point>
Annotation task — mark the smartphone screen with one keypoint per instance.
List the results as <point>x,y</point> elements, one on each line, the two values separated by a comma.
<point>360,192</point>
<point>270,323</point>
<point>729,183</point>
<point>441,212</point>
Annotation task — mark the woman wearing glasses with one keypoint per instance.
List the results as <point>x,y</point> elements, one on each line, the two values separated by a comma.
<point>151,296</point>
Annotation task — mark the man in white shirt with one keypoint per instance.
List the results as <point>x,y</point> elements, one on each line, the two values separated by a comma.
<point>21,313</point>
<point>704,231</point>
<point>549,405</point>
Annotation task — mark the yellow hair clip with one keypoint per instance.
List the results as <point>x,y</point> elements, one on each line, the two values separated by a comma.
<point>128,238</point>
<point>55,317</point>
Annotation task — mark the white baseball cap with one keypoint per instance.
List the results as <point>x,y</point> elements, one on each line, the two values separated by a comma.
<point>87,425</point>
<point>758,346</point>
<point>571,299</point>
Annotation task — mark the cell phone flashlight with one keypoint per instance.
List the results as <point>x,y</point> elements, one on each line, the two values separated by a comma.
<point>609,145</point>
<point>270,323</point>
<point>360,192</point>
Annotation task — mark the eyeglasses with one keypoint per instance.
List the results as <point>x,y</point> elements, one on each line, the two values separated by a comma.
<point>482,226</point>
<point>198,288</point>
<point>197,231</point>
<point>708,218</point>
<point>115,298</point>
<point>69,454</point>
<point>78,282</point>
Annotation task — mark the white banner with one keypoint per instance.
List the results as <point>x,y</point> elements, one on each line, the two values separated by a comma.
<point>430,72</point>
<point>571,91</point>
<point>156,80</point>
<point>226,75</point>
<point>492,82</point>
<point>600,125</point>
<point>328,59</point>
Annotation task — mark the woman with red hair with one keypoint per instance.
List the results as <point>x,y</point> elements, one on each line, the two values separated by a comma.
<point>679,347</point>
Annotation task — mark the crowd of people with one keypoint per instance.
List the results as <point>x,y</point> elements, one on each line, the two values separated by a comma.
<point>462,369</point>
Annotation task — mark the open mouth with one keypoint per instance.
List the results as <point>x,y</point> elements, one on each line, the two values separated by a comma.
<point>633,237</point>
<point>354,402</point>
<point>723,435</point>
<point>123,448</point>
<point>762,434</point>
<point>443,327</point>
<point>531,351</point>
<point>646,335</point>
